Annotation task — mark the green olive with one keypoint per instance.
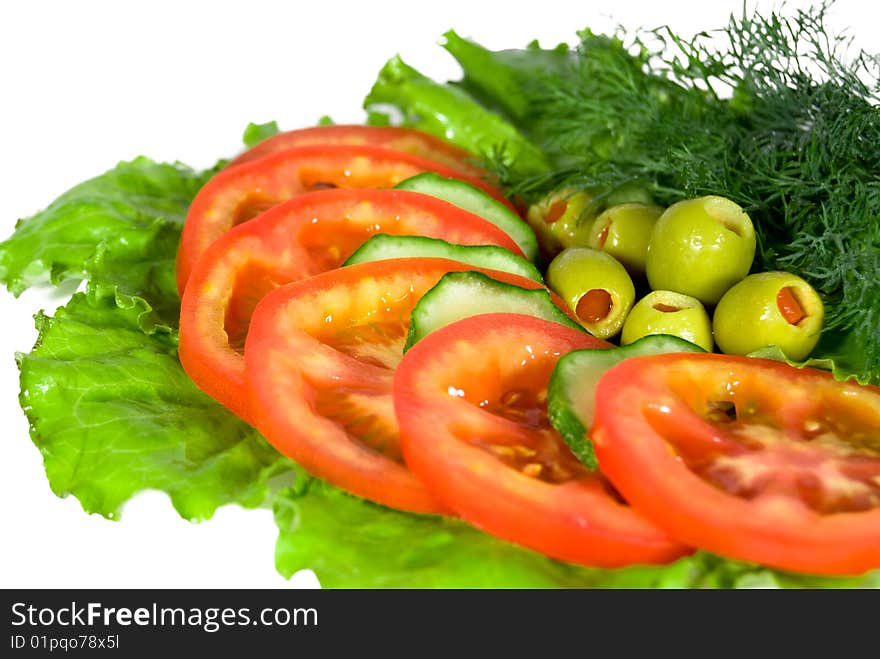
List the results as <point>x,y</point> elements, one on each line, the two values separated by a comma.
<point>667,312</point>
<point>766,309</point>
<point>562,219</point>
<point>700,247</point>
<point>624,232</point>
<point>595,286</point>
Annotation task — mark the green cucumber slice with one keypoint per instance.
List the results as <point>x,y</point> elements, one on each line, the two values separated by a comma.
<point>466,196</point>
<point>463,294</point>
<point>571,393</point>
<point>383,246</point>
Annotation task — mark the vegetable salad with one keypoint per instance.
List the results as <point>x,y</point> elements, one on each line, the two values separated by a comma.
<point>105,371</point>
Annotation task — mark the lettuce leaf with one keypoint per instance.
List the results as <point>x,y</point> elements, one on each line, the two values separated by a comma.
<point>110,407</point>
<point>496,78</point>
<point>838,352</point>
<point>256,133</point>
<point>121,212</point>
<point>113,413</point>
<point>448,112</point>
<point>352,543</point>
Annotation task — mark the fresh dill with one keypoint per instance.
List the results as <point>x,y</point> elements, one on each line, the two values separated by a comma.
<point>772,112</point>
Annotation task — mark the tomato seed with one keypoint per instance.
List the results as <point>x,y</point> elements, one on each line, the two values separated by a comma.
<point>510,398</point>
<point>524,452</point>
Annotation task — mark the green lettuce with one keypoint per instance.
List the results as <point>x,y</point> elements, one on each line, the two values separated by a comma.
<point>450,113</point>
<point>496,78</point>
<point>113,413</point>
<point>839,352</point>
<point>124,212</point>
<point>352,543</point>
<point>256,133</point>
<point>109,406</point>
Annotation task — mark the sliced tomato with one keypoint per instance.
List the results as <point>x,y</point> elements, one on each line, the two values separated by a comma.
<point>748,458</point>
<point>471,401</point>
<point>238,194</point>
<point>310,234</point>
<point>408,140</point>
<point>320,359</point>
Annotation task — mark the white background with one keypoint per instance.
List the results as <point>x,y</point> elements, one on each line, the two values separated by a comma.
<point>86,84</point>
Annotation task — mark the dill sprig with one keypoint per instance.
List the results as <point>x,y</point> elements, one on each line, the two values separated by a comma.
<point>772,112</point>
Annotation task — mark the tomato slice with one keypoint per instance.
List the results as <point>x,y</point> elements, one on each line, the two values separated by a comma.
<point>238,194</point>
<point>310,234</point>
<point>320,359</point>
<point>407,140</point>
<point>748,458</point>
<point>471,401</point>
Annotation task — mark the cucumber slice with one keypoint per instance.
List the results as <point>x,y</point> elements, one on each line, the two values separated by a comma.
<point>383,246</point>
<point>463,294</point>
<point>466,196</point>
<point>570,395</point>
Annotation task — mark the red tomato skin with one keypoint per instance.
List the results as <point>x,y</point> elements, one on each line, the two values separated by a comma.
<point>407,140</point>
<point>782,533</point>
<point>576,521</point>
<point>280,176</point>
<point>287,418</point>
<point>271,241</point>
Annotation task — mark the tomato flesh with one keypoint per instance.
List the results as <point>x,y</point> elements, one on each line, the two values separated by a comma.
<point>238,194</point>
<point>310,234</point>
<point>471,401</point>
<point>748,458</point>
<point>320,359</point>
<point>407,140</point>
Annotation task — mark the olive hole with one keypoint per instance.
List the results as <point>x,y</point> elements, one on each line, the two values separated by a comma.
<point>594,305</point>
<point>731,226</point>
<point>727,217</point>
<point>603,236</point>
<point>666,308</point>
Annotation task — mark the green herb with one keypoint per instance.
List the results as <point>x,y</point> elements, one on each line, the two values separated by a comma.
<point>770,112</point>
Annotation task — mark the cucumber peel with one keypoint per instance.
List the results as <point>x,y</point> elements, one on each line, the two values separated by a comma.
<point>472,199</point>
<point>383,246</point>
<point>571,393</point>
<point>460,295</point>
